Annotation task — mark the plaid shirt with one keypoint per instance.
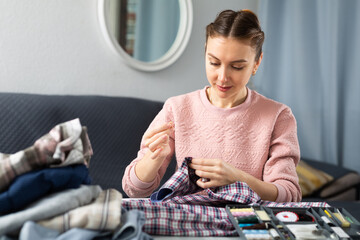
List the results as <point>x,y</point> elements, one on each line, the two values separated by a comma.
<point>176,209</point>
<point>183,183</point>
<point>65,144</point>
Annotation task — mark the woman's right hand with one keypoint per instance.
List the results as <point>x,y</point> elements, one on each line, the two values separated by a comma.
<point>157,140</point>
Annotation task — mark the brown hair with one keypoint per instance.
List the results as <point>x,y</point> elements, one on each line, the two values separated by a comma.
<point>243,25</point>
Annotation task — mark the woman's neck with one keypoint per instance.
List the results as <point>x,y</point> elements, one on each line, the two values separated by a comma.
<point>226,102</point>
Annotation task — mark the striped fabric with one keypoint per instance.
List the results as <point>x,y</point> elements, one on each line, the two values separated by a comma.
<point>66,144</point>
<point>103,214</point>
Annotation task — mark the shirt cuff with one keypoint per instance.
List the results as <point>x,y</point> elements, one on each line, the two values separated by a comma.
<point>137,182</point>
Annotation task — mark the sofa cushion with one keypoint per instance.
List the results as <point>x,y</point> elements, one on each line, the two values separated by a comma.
<point>344,181</point>
<point>331,169</point>
<point>311,179</point>
<point>340,185</point>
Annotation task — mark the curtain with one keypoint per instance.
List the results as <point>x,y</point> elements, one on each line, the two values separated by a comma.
<point>312,63</point>
<point>157,24</point>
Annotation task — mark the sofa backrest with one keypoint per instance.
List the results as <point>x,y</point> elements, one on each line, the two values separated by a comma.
<point>115,127</point>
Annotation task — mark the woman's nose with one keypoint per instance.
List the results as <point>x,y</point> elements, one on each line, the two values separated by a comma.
<point>222,74</point>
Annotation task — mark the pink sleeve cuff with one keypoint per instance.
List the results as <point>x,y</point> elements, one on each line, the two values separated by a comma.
<point>137,182</point>
<point>281,194</point>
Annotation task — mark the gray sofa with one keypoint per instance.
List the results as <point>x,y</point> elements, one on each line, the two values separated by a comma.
<point>115,127</point>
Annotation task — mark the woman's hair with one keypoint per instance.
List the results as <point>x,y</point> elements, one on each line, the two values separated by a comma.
<point>243,25</point>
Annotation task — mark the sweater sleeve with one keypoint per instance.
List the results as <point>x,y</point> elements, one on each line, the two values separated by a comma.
<point>284,155</point>
<point>131,184</point>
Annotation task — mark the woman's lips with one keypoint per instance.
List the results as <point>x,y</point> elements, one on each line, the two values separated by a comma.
<point>223,89</point>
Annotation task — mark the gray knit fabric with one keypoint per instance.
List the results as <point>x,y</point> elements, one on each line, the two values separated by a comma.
<point>49,206</point>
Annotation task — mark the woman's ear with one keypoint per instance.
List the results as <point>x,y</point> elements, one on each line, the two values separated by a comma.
<point>259,61</point>
<point>257,64</point>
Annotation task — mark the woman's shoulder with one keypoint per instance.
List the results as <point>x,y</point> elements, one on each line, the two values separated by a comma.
<point>186,98</point>
<point>266,103</point>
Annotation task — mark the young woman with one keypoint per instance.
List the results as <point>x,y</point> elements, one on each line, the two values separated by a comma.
<point>232,132</point>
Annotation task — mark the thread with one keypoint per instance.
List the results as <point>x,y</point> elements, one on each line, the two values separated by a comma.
<point>344,222</point>
<point>241,210</point>
<point>244,215</point>
<point>287,216</point>
<point>257,226</point>
<point>245,225</point>
<point>257,234</point>
<point>263,215</point>
<point>247,219</point>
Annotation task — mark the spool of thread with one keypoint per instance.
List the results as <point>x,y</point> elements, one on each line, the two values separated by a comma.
<point>274,234</point>
<point>241,214</point>
<point>263,215</point>
<point>256,226</point>
<point>245,225</point>
<point>287,216</point>
<point>257,234</point>
<point>247,219</point>
<point>349,219</point>
<point>260,231</point>
<point>344,222</point>
<point>241,210</point>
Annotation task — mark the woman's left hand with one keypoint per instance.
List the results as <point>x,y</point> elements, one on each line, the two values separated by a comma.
<point>218,172</point>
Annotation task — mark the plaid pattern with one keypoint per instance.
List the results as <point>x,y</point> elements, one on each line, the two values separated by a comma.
<point>65,144</point>
<point>183,183</point>
<point>294,204</point>
<point>175,210</point>
<point>102,215</point>
<point>182,219</point>
<point>174,219</point>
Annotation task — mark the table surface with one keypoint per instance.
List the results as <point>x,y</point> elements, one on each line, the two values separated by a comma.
<point>352,207</point>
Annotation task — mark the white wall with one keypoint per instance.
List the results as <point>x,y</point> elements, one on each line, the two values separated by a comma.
<point>56,47</point>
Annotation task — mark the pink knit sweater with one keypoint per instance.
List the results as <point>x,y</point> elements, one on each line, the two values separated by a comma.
<point>258,136</point>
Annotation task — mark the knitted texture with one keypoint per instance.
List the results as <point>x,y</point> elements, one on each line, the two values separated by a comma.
<point>258,136</point>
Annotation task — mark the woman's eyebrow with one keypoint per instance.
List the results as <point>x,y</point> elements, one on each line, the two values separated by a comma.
<point>235,61</point>
<point>239,61</point>
<point>213,56</point>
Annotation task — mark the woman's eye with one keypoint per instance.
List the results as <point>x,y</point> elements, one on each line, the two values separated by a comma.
<point>214,64</point>
<point>237,68</point>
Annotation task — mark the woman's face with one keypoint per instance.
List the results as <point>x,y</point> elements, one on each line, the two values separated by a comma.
<point>229,65</point>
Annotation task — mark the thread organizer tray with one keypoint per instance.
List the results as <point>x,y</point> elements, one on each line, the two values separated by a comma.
<point>260,222</point>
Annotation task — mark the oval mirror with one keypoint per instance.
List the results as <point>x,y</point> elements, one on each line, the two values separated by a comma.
<point>148,35</point>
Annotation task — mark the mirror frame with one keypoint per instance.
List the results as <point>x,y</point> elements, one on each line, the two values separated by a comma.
<point>175,51</point>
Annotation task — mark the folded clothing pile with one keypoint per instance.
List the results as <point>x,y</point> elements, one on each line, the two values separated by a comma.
<point>46,189</point>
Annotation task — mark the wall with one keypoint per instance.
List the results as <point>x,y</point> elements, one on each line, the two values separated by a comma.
<point>56,47</point>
